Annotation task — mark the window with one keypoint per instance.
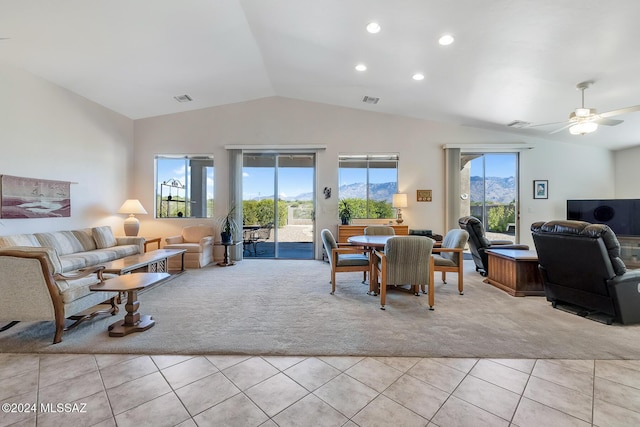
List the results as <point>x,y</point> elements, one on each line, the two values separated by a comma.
<point>184,186</point>
<point>367,182</point>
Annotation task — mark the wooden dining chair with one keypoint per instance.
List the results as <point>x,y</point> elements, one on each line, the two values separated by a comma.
<point>344,258</point>
<point>449,257</point>
<point>406,260</point>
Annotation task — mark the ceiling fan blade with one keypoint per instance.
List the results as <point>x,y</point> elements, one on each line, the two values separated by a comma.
<point>546,124</point>
<point>608,122</point>
<point>562,128</point>
<point>620,111</point>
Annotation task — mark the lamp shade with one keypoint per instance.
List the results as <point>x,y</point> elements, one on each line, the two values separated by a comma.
<point>132,206</point>
<point>399,200</point>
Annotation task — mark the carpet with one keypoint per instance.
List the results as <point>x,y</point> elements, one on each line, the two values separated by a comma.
<point>283,307</point>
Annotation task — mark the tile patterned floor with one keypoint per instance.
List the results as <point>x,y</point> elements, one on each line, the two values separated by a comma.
<point>134,390</point>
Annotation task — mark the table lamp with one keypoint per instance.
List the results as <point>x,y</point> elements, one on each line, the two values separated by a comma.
<point>131,224</point>
<point>399,202</point>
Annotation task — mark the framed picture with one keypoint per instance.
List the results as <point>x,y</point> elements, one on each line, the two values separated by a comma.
<point>540,189</point>
<point>423,196</point>
<point>34,198</point>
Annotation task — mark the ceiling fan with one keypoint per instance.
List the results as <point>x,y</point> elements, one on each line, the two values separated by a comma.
<point>586,120</point>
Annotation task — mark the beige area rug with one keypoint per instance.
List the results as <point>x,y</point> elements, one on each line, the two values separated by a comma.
<point>267,307</point>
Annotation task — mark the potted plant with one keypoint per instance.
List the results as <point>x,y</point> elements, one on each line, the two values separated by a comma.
<point>228,226</point>
<point>345,212</point>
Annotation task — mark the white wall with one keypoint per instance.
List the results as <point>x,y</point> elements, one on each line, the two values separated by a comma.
<point>627,174</point>
<point>48,132</point>
<point>572,170</point>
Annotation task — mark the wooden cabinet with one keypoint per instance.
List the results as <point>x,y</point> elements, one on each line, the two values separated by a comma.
<point>346,231</point>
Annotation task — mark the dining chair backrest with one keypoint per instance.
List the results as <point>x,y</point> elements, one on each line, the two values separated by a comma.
<point>379,230</point>
<point>329,243</point>
<point>455,238</point>
<point>408,260</point>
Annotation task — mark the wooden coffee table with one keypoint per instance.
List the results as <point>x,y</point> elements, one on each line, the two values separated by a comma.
<point>153,261</point>
<point>131,284</point>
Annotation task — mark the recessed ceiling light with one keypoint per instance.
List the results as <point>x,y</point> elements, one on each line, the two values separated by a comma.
<point>373,27</point>
<point>361,67</point>
<point>418,76</point>
<point>446,40</point>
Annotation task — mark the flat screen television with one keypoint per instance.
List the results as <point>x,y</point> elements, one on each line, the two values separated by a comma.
<point>622,215</point>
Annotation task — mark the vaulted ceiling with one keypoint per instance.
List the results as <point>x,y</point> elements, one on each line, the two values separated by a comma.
<point>511,59</point>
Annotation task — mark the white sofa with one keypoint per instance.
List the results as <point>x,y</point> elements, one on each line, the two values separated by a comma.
<point>46,276</point>
<point>80,248</point>
<point>198,241</point>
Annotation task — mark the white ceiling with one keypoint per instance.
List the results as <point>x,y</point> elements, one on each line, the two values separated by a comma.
<point>512,59</point>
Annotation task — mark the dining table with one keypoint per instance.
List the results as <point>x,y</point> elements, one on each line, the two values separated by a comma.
<point>375,242</point>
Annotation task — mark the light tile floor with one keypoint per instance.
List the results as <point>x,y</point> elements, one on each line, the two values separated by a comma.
<point>139,390</point>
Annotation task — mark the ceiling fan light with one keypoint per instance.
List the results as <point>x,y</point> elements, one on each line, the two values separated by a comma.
<point>583,128</point>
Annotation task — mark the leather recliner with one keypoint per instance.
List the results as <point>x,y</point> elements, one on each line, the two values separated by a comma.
<point>478,243</point>
<point>580,266</point>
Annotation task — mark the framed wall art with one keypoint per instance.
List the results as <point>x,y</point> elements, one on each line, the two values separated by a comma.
<point>423,195</point>
<point>34,198</point>
<point>540,189</point>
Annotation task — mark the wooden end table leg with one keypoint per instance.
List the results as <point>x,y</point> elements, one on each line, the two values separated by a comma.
<point>133,321</point>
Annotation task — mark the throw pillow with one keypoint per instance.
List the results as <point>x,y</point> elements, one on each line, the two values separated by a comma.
<point>104,237</point>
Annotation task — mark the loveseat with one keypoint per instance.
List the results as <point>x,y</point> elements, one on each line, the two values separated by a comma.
<point>46,276</point>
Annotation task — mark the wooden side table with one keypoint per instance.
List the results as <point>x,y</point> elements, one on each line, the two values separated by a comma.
<point>226,262</point>
<point>155,240</point>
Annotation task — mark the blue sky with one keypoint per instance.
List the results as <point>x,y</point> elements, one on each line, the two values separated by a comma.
<point>500,165</point>
<point>175,169</point>
<point>258,182</point>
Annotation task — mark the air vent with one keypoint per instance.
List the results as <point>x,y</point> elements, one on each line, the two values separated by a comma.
<point>518,124</point>
<point>183,98</point>
<point>370,99</point>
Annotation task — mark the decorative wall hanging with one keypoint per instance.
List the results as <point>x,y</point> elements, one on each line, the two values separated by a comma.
<point>540,189</point>
<point>423,195</point>
<point>34,198</point>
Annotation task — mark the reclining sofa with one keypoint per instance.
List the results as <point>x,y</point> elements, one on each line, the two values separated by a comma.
<point>46,276</point>
<point>581,267</point>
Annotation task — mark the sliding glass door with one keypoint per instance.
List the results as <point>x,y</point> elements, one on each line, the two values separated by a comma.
<point>278,205</point>
<point>489,191</point>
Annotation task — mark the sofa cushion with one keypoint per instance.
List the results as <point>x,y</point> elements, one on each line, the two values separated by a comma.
<point>99,256</point>
<point>85,236</point>
<point>71,262</point>
<point>65,242</point>
<point>104,237</point>
<point>19,240</point>
<point>71,290</point>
